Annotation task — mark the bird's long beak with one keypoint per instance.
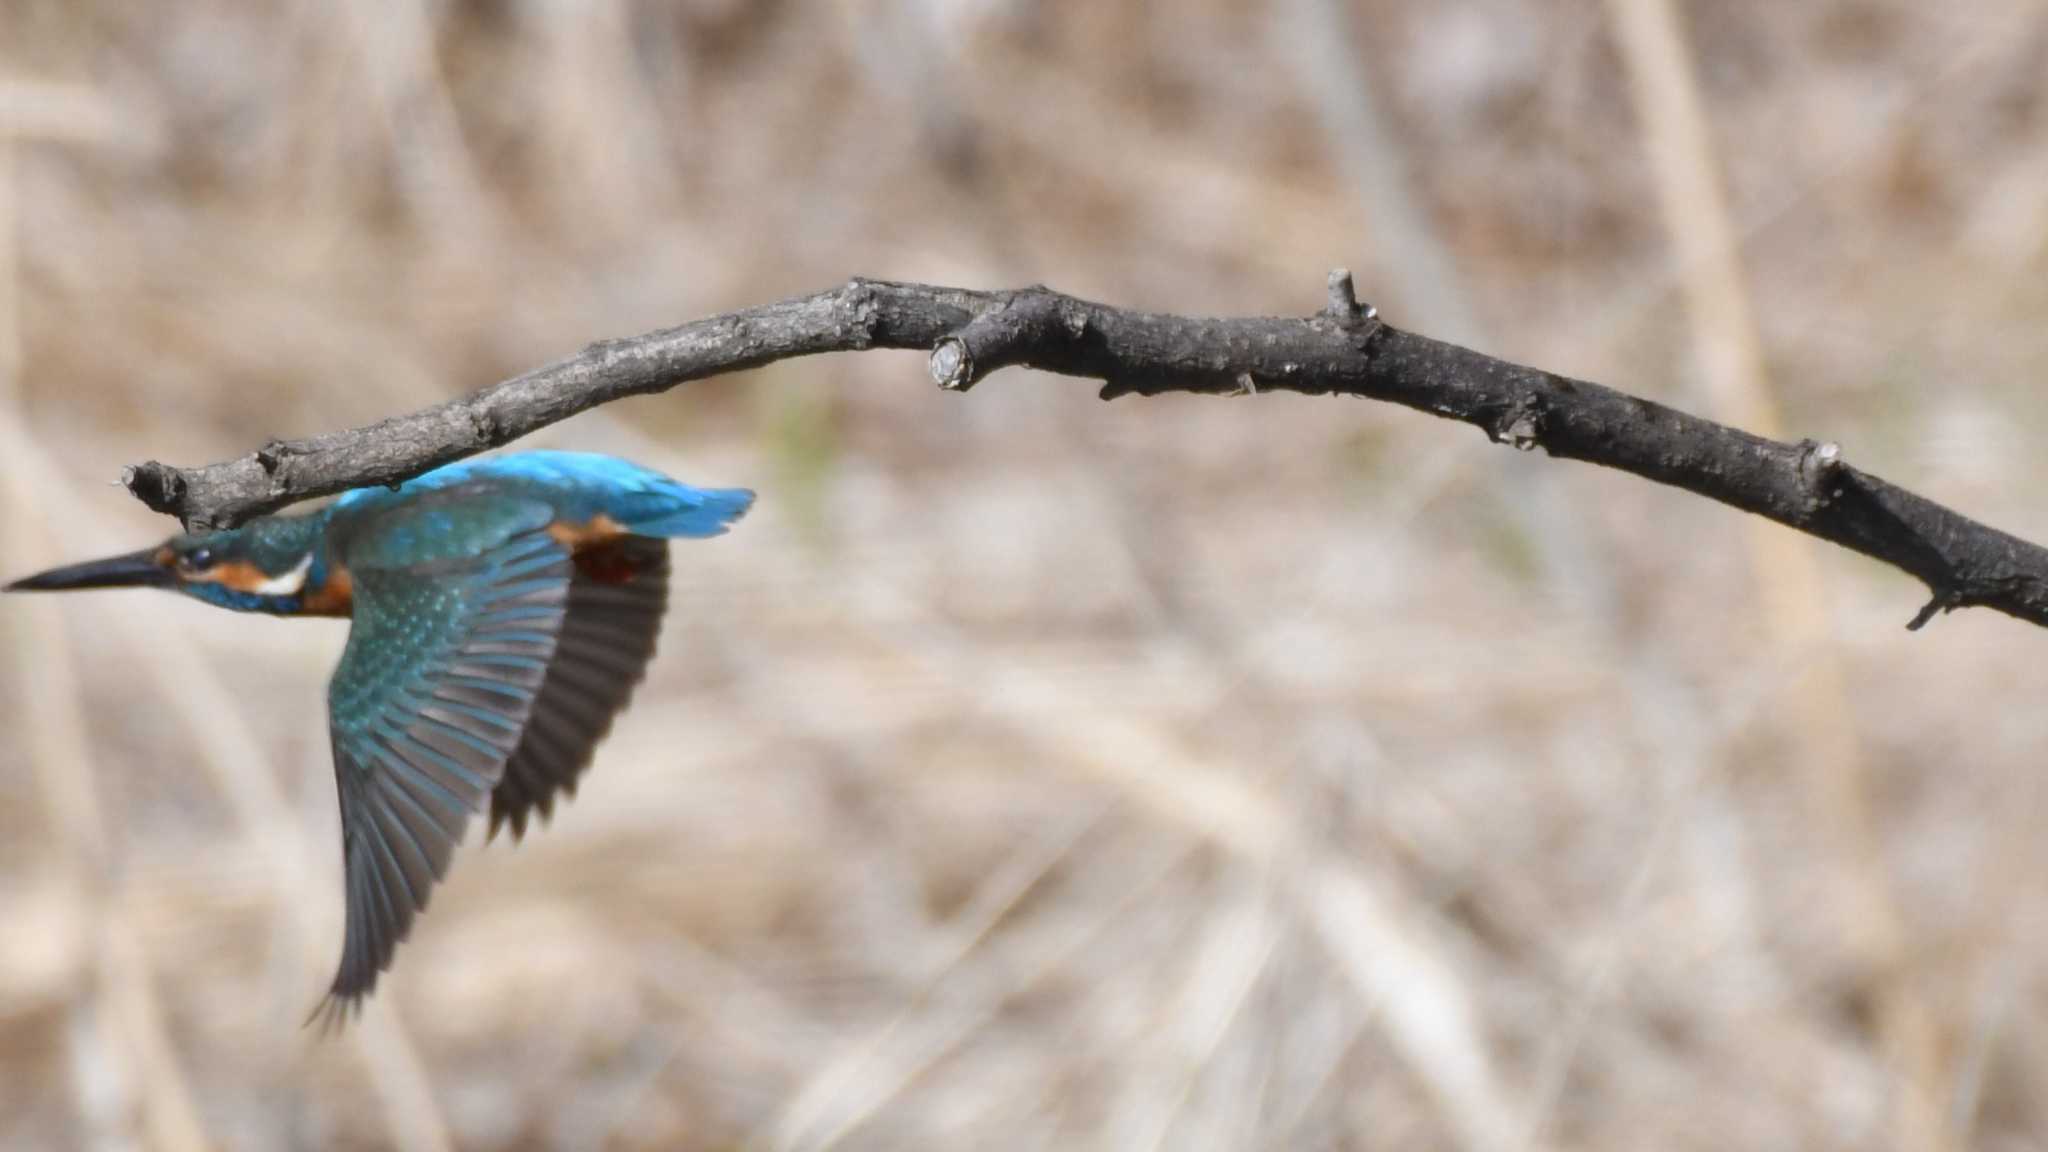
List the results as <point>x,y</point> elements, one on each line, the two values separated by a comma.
<point>134,570</point>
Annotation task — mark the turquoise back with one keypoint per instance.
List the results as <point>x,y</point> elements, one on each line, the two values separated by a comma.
<point>577,487</point>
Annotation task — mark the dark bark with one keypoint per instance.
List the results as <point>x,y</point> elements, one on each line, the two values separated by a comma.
<point>1345,349</point>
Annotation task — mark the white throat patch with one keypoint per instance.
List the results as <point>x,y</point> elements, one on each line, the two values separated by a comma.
<point>287,583</point>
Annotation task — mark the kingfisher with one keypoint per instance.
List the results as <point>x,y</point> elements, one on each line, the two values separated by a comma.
<point>501,610</point>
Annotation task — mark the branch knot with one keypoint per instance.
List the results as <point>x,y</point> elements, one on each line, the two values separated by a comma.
<point>483,425</point>
<point>271,456</point>
<point>1820,466</point>
<point>1013,329</point>
<point>952,366</point>
<point>1521,426</point>
<point>864,313</point>
<point>160,486</point>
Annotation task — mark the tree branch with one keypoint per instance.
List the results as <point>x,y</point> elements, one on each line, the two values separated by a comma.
<point>1345,349</point>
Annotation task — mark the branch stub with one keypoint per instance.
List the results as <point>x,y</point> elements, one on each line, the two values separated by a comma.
<point>952,366</point>
<point>1343,304</point>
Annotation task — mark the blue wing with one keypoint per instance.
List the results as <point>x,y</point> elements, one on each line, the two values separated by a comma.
<point>487,658</point>
<point>445,658</point>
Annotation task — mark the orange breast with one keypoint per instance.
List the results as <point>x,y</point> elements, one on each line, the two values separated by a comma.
<point>335,597</point>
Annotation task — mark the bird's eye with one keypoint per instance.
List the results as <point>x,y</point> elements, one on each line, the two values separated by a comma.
<point>199,559</point>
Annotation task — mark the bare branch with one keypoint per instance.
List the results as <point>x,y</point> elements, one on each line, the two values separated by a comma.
<point>1345,350</point>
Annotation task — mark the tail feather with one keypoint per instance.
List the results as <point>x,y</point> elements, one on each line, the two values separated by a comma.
<point>694,512</point>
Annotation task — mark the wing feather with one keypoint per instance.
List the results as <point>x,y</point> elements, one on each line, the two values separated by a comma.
<point>444,664</point>
<point>492,674</point>
<point>601,654</point>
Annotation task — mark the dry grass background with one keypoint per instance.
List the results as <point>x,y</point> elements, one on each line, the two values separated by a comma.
<point>1028,771</point>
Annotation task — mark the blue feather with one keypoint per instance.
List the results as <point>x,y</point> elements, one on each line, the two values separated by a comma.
<point>695,511</point>
<point>579,487</point>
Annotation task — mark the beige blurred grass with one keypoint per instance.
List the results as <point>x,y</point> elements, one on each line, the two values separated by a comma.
<point>1029,771</point>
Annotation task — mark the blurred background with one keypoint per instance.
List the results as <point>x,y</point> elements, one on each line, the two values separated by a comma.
<point>1028,771</point>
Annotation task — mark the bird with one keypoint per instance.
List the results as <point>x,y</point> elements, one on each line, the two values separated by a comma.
<point>502,610</point>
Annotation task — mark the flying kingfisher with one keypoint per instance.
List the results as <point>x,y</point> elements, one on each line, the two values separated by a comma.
<point>502,609</point>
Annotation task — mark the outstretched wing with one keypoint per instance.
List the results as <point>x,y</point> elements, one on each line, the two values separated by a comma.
<point>504,612</point>
<point>617,595</point>
<point>446,657</point>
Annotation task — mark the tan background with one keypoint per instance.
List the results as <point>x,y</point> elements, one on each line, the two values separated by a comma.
<point>1029,771</point>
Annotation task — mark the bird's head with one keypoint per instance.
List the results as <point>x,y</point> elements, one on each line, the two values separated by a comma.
<point>272,564</point>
